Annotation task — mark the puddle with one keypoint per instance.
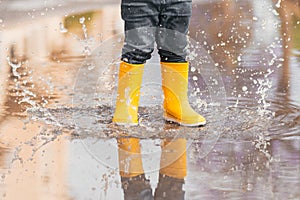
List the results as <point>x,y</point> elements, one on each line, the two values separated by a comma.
<point>58,89</point>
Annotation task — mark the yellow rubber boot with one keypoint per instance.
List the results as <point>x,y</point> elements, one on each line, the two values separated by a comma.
<point>130,158</point>
<point>173,158</point>
<point>130,80</point>
<point>175,87</point>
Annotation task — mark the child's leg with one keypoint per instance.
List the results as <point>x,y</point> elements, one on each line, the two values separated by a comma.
<point>140,17</point>
<point>171,38</point>
<point>172,44</point>
<point>129,83</point>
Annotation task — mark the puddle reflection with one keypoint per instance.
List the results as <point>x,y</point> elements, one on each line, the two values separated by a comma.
<point>44,154</point>
<point>172,170</point>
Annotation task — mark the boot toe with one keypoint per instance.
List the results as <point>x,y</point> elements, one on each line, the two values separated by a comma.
<point>191,121</point>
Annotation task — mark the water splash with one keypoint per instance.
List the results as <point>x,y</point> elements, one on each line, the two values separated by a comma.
<point>87,50</point>
<point>278,4</point>
<point>264,85</point>
<point>262,143</point>
<point>62,28</point>
<point>84,28</point>
<point>25,92</point>
<point>14,67</point>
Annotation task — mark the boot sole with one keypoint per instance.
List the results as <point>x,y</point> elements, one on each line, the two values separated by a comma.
<point>121,122</point>
<point>125,124</point>
<point>171,119</point>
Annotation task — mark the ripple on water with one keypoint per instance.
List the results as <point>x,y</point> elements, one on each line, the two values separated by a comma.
<point>230,122</point>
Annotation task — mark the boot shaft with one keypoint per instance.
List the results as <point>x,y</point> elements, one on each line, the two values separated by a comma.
<point>129,84</point>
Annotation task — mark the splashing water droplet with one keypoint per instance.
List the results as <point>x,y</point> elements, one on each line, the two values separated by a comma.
<point>81,20</point>
<point>239,58</point>
<point>62,29</point>
<point>275,12</point>
<point>262,90</point>
<point>14,67</point>
<point>278,4</point>
<point>90,67</point>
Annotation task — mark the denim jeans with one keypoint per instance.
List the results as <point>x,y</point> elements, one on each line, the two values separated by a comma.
<point>164,22</point>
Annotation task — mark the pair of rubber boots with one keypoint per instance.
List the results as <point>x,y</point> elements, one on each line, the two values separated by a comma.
<point>175,87</point>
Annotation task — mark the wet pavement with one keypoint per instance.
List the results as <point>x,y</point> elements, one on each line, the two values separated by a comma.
<point>59,64</point>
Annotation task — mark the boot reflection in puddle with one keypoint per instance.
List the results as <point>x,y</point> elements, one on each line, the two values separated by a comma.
<point>134,183</point>
<point>172,170</point>
<point>171,175</point>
